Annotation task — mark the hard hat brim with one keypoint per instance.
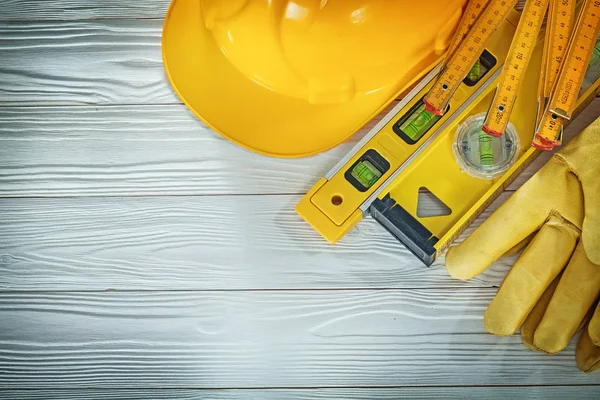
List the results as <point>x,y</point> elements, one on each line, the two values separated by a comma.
<point>252,115</point>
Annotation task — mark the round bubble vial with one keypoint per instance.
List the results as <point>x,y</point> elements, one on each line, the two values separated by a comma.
<point>481,155</point>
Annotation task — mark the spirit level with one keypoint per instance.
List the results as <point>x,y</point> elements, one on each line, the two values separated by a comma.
<point>412,149</point>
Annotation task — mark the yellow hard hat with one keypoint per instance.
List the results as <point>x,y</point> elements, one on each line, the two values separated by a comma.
<point>292,78</point>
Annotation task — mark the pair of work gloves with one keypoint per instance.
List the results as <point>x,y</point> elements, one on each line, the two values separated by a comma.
<point>552,290</point>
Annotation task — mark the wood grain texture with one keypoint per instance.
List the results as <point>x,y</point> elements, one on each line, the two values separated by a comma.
<point>92,62</point>
<point>149,149</point>
<point>200,243</point>
<point>14,10</point>
<point>265,339</point>
<point>446,393</point>
<point>61,10</point>
<point>137,150</point>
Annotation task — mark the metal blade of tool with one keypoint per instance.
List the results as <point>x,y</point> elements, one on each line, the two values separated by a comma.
<point>466,55</point>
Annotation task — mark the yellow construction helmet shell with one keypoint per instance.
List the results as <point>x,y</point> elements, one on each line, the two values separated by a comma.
<point>292,78</point>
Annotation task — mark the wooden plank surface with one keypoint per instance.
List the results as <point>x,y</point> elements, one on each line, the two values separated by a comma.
<point>272,339</point>
<point>28,10</point>
<point>61,10</point>
<point>200,243</point>
<point>90,62</point>
<point>137,150</point>
<point>147,150</point>
<point>446,393</point>
<point>108,293</point>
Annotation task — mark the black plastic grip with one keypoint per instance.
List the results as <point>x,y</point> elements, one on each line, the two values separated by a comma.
<point>406,228</point>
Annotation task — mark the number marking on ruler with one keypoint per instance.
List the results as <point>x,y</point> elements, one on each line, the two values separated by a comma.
<point>562,102</point>
<point>472,13</point>
<point>561,14</point>
<point>560,24</point>
<point>465,56</point>
<point>514,68</point>
<point>571,75</point>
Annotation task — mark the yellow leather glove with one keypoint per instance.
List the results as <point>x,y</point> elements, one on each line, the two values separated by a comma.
<point>558,212</point>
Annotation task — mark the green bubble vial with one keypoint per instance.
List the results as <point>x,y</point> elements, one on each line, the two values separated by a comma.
<point>418,123</point>
<point>481,155</point>
<point>486,150</point>
<point>366,173</point>
<point>475,72</point>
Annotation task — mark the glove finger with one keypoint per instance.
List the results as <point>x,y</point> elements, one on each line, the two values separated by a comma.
<point>535,316</point>
<point>575,295</point>
<point>534,270</point>
<point>588,354</point>
<point>521,215</point>
<point>591,223</point>
<point>581,154</point>
<point>594,326</point>
<point>519,246</point>
<point>479,250</point>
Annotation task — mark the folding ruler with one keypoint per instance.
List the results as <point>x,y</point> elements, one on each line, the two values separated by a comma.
<point>412,149</point>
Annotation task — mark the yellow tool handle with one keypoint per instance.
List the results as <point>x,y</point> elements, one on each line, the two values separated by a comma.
<point>466,55</point>
<point>515,66</point>
<point>472,12</point>
<point>574,67</point>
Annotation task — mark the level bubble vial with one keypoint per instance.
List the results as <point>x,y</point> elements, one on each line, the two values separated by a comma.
<point>482,155</point>
<point>366,173</point>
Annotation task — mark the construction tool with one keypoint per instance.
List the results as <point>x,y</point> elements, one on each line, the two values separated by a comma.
<point>412,150</point>
<point>466,54</point>
<point>471,14</point>
<point>572,73</point>
<point>515,67</point>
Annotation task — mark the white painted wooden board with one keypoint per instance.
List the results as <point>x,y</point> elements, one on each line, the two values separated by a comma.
<point>91,62</point>
<point>446,393</point>
<point>83,62</point>
<point>246,339</point>
<point>200,243</point>
<point>146,150</point>
<point>15,10</point>
<point>137,150</point>
<point>61,10</point>
<point>86,111</point>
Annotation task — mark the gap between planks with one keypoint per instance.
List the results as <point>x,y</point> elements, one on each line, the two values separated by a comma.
<point>202,243</point>
<point>269,339</point>
<point>549,392</point>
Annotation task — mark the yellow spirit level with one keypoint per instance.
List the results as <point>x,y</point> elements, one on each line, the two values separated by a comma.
<point>411,149</point>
